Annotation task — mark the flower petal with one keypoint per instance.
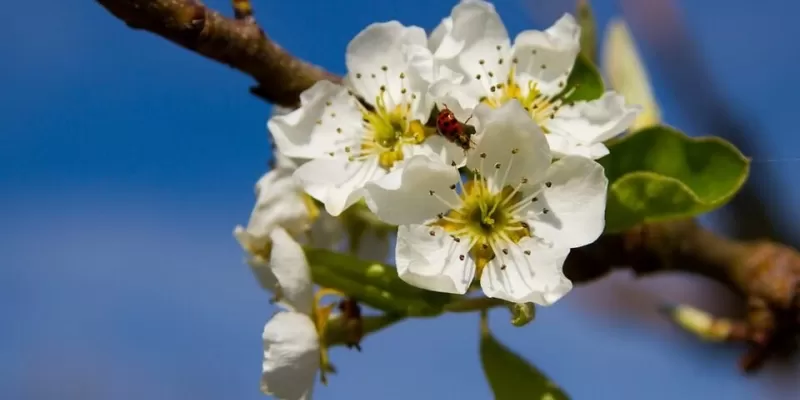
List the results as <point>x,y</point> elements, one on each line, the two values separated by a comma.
<point>289,267</point>
<point>403,196</point>
<point>337,182</point>
<point>576,203</point>
<point>550,55</point>
<point>563,145</point>
<point>595,121</point>
<point>313,130</point>
<point>433,261</point>
<point>291,356</point>
<point>535,277</point>
<point>377,57</point>
<point>510,145</point>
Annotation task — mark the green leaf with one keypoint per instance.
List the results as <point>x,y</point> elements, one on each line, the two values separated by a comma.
<point>374,284</point>
<point>513,378</point>
<point>659,174</point>
<point>586,80</point>
<point>588,30</point>
<point>336,329</point>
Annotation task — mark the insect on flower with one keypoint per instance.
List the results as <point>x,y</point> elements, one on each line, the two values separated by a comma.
<point>351,312</point>
<point>453,130</point>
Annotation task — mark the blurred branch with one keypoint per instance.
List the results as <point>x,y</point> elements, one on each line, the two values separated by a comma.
<point>764,272</point>
<point>238,43</point>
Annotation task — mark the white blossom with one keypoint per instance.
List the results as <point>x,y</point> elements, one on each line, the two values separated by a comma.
<point>280,202</point>
<point>360,132</point>
<point>534,71</point>
<point>292,351</point>
<point>512,223</point>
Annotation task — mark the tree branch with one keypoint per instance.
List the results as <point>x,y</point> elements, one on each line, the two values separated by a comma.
<point>766,273</point>
<point>238,43</point>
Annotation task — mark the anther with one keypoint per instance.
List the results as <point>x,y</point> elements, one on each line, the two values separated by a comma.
<point>453,187</point>
<point>338,130</point>
<point>548,183</point>
<point>534,200</point>
<point>503,267</point>
<point>452,163</point>
<point>440,215</point>
<point>372,75</point>
<point>481,61</point>
<point>484,246</point>
<point>492,89</point>
<point>347,149</point>
<point>383,88</point>
<point>403,91</point>
<point>333,115</point>
<point>514,151</point>
<point>478,76</point>
<point>491,74</point>
<point>457,240</point>
<point>330,154</point>
<point>402,75</point>
<point>545,211</point>
<point>432,233</point>
<point>524,180</point>
<point>498,47</point>
<point>505,251</point>
<point>500,61</point>
<point>496,165</point>
<point>319,122</point>
<point>515,60</point>
<point>384,68</point>
<point>533,51</point>
<point>328,103</point>
<point>431,192</point>
<point>358,75</point>
<point>461,257</point>
<point>525,225</point>
<point>527,252</point>
<point>483,155</point>
<point>544,66</point>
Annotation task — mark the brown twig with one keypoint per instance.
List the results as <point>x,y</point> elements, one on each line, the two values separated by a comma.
<point>240,44</point>
<point>764,272</point>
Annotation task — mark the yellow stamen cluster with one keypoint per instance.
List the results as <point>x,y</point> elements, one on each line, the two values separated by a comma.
<point>485,218</point>
<point>540,107</point>
<point>387,131</point>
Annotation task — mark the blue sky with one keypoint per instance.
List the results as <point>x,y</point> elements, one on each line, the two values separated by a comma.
<point>125,163</point>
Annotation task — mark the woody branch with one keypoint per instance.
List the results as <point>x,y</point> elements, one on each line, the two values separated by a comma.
<point>766,273</point>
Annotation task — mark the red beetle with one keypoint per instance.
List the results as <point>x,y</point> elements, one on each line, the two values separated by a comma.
<point>449,127</point>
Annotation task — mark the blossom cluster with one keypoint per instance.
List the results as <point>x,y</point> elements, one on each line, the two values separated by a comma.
<point>505,211</point>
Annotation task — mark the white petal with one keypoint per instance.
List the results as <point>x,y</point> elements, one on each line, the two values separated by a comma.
<point>403,196</point>
<point>548,56</point>
<point>433,262</point>
<point>576,203</point>
<point>536,277</point>
<point>460,99</point>
<point>382,45</point>
<point>336,182</point>
<point>436,38</point>
<point>279,203</point>
<point>289,267</point>
<point>440,148</point>
<point>594,121</point>
<point>291,356</point>
<point>563,145</point>
<point>506,130</point>
<point>311,130</point>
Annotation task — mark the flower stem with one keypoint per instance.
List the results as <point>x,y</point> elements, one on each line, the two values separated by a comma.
<point>471,304</point>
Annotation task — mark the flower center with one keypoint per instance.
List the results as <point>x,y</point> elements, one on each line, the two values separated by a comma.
<point>540,106</point>
<point>388,125</point>
<point>490,214</point>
